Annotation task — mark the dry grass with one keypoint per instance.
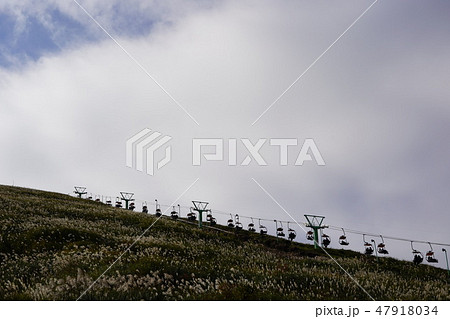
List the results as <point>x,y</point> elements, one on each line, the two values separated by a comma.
<point>53,246</point>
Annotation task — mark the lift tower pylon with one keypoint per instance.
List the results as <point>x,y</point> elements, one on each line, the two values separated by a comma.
<point>200,207</point>
<point>127,197</point>
<point>80,191</point>
<point>315,222</point>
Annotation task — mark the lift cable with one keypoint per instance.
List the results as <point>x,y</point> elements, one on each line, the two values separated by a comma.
<point>352,231</point>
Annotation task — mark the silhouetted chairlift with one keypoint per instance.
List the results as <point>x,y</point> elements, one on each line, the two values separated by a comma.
<point>212,220</point>
<point>417,255</point>
<point>108,201</point>
<point>209,218</point>
<point>430,255</point>
<point>230,222</point>
<point>131,207</point>
<point>280,230</point>
<point>90,196</point>
<point>251,226</point>
<point>310,235</point>
<point>238,224</point>
<point>326,240</point>
<point>343,239</point>
<point>158,212</point>
<point>118,203</point>
<point>382,247</point>
<point>262,228</point>
<point>97,198</point>
<point>192,215</point>
<point>144,208</point>
<point>174,214</point>
<point>368,248</point>
<point>291,233</point>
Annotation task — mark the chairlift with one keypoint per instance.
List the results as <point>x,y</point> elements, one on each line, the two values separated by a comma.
<point>251,226</point>
<point>238,224</point>
<point>158,209</point>
<point>174,214</point>
<point>310,235</point>
<point>192,215</point>
<point>280,230</point>
<point>131,207</point>
<point>108,201</point>
<point>212,221</point>
<point>262,228</point>
<point>144,208</point>
<point>417,255</point>
<point>430,255</point>
<point>326,240</point>
<point>368,248</point>
<point>291,233</point>
<point>97,198</point>
<point>118,202</point>
<point>343,239</point>
<point>382,247</point>
<point>90,196</point>
<point>209,218</point>
<point>230,222</point>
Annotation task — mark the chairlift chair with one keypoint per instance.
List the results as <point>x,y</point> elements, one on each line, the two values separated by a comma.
<point>131,207</point>
<point>382,247</point>
<point>158,209</point>
<point>144,208</point>
<point>174,214</point>
<point>343,239</point>
<point>262,228</point>
<point>90,196</point>
<point>291,233</point>
<point>326,240</point>
<point>251,226</point>
<point>430,255</point>
<point>192,215</point>
<point>108,201</point>
<point>237,223</point>
<point>280,230</point>
<point>417,255</point>
<point>97,198</point>
<point>368,248</point>
<point>118,202</point>
<point>209,218</point>
<point>212,221</point>
<point>230,222</point>
<point>310,235</point>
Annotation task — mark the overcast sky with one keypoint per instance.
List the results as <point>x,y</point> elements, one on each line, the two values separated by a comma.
<point>376,105</point>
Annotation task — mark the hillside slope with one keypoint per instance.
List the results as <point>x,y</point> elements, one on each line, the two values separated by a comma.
<point>53,246</point>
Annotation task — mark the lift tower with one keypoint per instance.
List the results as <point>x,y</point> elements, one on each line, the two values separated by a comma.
<point>315,222</point>
<point>127,197</point>
<point>200,207</point>
<point>80,191</point>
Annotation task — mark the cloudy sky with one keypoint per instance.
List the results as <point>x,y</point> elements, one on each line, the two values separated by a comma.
<point>376,104</point>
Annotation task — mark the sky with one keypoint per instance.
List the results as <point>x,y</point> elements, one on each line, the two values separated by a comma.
<point>376,104</point>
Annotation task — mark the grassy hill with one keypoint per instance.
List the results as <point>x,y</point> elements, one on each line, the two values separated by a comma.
<point>53,246</point>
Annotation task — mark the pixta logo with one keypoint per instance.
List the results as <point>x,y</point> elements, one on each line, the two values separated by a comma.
<point>308,151</point>
<point>141,148</point>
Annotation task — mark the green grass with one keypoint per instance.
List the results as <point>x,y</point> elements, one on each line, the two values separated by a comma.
<point>53,246</point>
